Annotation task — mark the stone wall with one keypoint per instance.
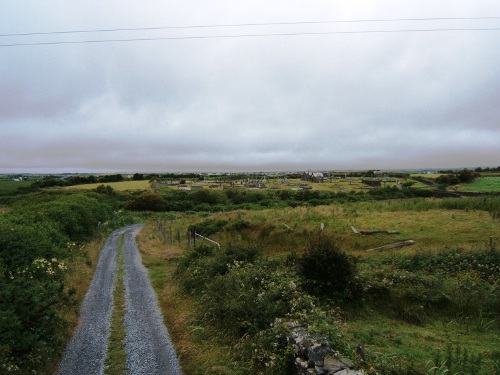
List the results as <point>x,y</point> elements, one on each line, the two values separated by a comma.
<point>312,356</point>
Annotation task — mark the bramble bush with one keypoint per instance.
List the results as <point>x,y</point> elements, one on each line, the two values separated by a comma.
<point>37,238</point>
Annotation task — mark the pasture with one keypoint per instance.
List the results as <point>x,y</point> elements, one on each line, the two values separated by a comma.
<point>10,185</point>
<point>483,184</point>
<point>119,186</point>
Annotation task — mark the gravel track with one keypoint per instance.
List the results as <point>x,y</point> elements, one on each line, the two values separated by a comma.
<point>86,352</point>
<point>147,343</point>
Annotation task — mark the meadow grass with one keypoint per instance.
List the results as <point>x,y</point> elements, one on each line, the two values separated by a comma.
<point>119,186</point>
<point>410,344</point>
<point>482,184</point>
<point>10,185</point>
<point>279,230</point>
<point>432,223</point>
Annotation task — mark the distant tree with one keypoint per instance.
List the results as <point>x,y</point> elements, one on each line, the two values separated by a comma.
<point>464,176</point>
<point>111,178</point>
<point>138,177</point>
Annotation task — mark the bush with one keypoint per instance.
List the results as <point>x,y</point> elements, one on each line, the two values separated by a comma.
<point>200,266</point>
<point>328,271</point>
<point>36,239</point>
<point>147,202</point>
<point>208,227</point>
<point>249,297</point>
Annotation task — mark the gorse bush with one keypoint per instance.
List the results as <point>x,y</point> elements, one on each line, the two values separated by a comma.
<point>242,295</point>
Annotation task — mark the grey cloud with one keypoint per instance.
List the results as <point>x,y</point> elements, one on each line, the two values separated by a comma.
<point>337,101</point>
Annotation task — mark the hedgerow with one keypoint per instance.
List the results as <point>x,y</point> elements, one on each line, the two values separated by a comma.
<point>38,237</point>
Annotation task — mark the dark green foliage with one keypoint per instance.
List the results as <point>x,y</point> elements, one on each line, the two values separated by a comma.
<point>138,177</point>
<point>208,227</point>
<point>199,266</point>
<point>328,271</point>
<point>37,237</point>
<point>239,225</point>
<point>485,264</point>
<point>110,178</point>
<point>147,202</point>
<point>453,178</point>
<point>249,297</point>
<point>462,284</point>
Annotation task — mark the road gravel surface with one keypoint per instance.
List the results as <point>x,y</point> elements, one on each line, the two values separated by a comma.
<point>147,342</point>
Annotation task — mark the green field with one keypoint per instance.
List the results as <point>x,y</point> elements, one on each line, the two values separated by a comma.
<point>120,186</point>
<point>483,184</point>
<point>11,185</point>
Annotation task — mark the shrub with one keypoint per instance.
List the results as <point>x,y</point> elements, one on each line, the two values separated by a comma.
<point>36,239</point>
<point>209,227</point>
<point>328,271</point>
<point>249,297</point>
<point>200,266</point>
<point>147,202</point>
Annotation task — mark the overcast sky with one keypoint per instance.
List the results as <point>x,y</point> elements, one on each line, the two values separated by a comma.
<point>331,97</point>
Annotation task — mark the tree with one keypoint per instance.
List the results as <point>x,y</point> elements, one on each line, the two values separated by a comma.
<point>138,177</point>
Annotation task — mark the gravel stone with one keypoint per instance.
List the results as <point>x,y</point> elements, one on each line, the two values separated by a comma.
<point>147,343</point>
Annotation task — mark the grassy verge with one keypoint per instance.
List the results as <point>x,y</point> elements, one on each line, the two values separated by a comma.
<point>115,361</point>
<point>79,276</point>
<point>200,350</point>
